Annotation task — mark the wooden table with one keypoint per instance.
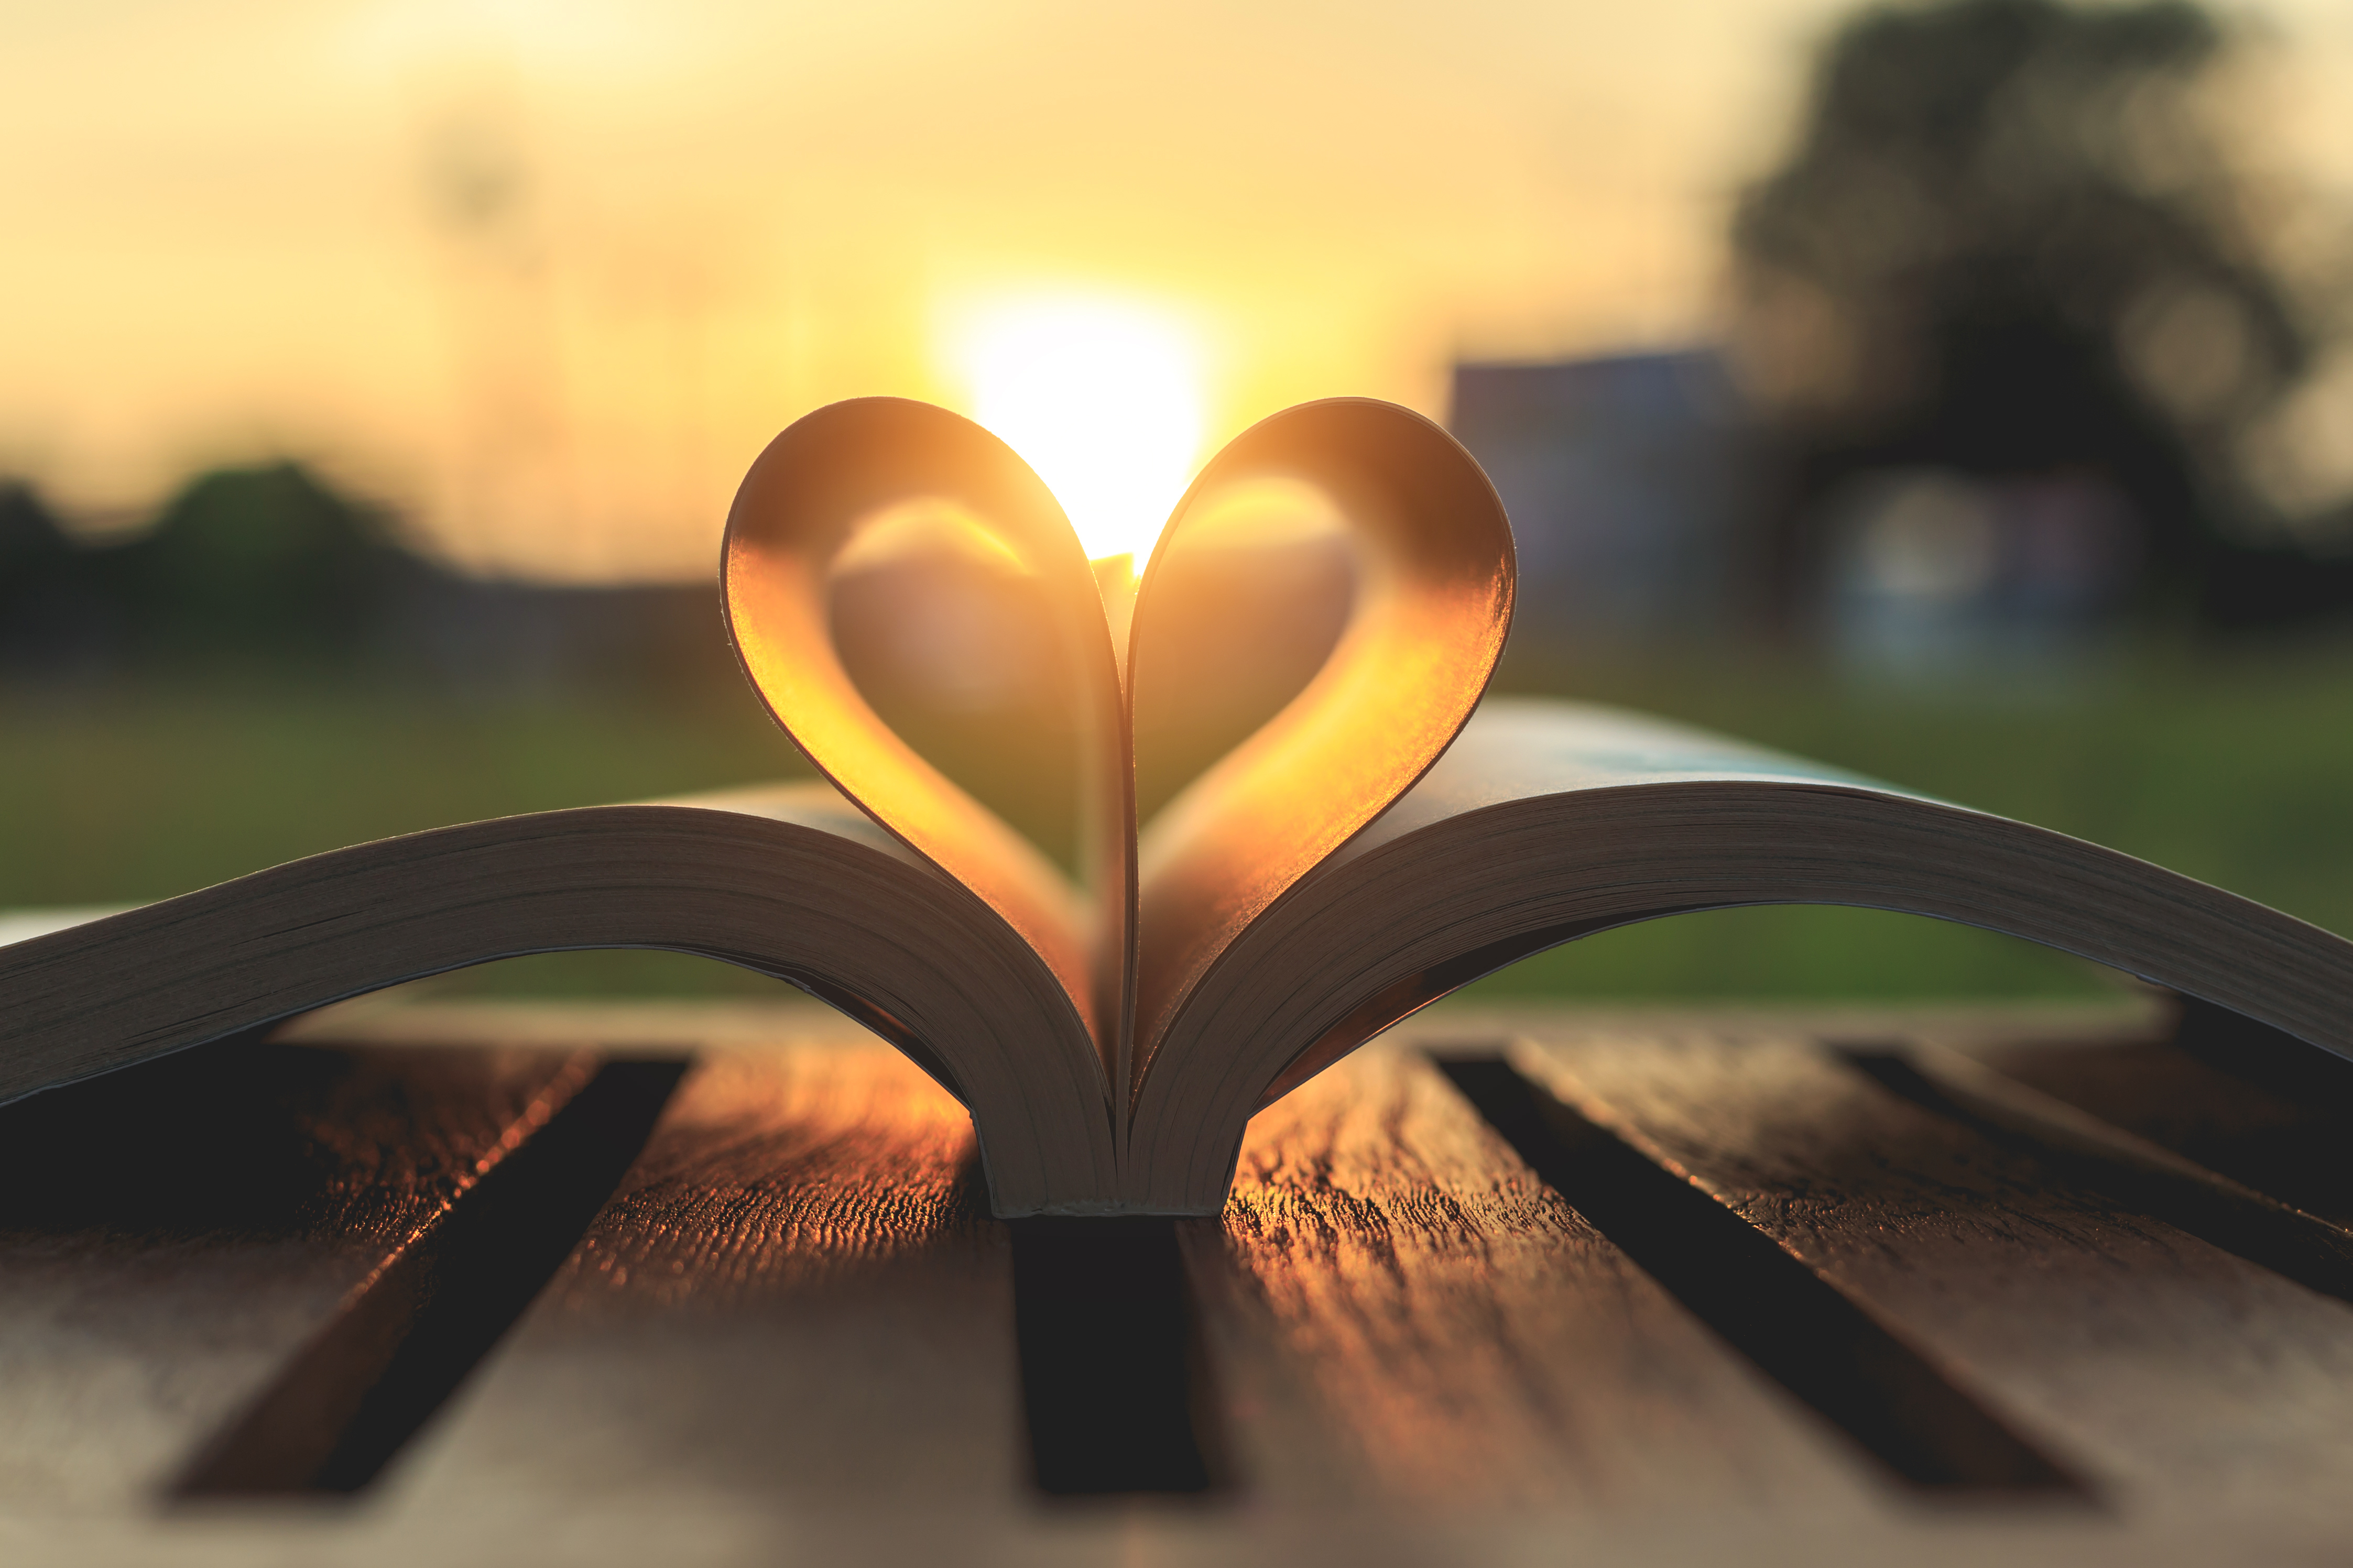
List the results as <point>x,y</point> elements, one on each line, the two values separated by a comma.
<point>686,1284</point>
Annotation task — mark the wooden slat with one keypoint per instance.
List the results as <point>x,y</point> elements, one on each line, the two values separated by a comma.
<point>1399,1312</point>
<point>790,1337</point>
<point>2180,1376</point>
<point>795,1303</point>
<point>2132,1170</point>
<point>171,1235</point>
<point>2290,1146</point>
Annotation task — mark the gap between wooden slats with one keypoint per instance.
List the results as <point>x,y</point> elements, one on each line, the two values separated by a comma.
<point>1403,1315</point>
<point>1894,1402</point>
<point>2144,1357</point>
<point>412,1333</point>
<point>796,1305</point>
<point>171,1234</point>
<point>2249,1103</point>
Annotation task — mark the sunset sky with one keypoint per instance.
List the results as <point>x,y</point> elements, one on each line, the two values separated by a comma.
<point>546,276</point>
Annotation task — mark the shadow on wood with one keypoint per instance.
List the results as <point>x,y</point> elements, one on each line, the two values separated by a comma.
<point>1113,1382</point>
<point>1770,1307</point>
<point>340,1411</point>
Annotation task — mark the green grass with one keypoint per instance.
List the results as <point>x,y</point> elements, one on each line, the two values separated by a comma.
<point>119,795</point>
<point>2236,768</point>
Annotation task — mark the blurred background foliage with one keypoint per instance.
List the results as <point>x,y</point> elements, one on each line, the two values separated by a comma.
<point>1999,482</point>
<point>2012,240</point>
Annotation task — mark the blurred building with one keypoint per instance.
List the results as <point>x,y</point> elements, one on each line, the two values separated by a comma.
<point>1643,492</point>
<point>1932,572</point>
<point>1631,484</point>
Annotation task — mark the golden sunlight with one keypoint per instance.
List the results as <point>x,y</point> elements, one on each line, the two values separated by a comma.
<point>1104,398</point>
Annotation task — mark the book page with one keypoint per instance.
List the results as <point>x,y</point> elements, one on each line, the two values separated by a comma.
<point>1517,747</point>
<point>1435,581</point>
<point>1549,821</point>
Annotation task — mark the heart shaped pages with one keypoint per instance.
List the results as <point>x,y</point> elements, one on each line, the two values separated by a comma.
<point>1433,602</point>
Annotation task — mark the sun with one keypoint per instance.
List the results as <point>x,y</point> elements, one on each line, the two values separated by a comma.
<point>1103,397</point>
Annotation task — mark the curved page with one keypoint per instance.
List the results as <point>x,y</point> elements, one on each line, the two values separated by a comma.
<point>794,882</point>
<point>810,495</point>
<point>1547,821</point>
<point>1436,572</point>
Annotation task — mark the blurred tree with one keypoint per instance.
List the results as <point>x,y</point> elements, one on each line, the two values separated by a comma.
<point>57,611</point>
<point>254,562</point>
<point>271,566</point>
<point>2010,242</point>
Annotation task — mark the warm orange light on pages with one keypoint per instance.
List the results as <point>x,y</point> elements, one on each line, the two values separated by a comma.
<point>1104,398</point>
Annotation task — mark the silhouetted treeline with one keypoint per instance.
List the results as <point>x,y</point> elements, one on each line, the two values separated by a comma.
<point>2008,245</point>
<point>271,566</point>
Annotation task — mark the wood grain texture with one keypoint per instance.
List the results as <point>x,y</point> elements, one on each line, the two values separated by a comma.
<point>796,1302</point>
<point>2288,1145</point>
<point>2181,1377</point>
<point>172,1234</point>
<point>790,1336</point>
<point>1401,1311</point>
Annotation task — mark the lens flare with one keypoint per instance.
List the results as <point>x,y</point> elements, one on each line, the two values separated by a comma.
<point>1103,397</point>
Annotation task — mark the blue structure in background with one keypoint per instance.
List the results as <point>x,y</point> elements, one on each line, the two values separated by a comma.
<point>1631,482</point>
<point>1637,487</point>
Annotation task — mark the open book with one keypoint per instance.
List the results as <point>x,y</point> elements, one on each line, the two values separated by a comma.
<point>1379,842</point>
